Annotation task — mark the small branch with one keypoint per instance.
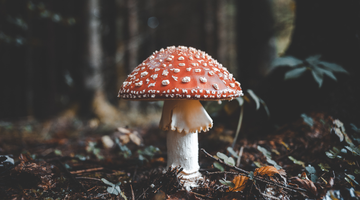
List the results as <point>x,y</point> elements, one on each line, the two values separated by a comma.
<point>86,170</point>
<point>89,178</point>
<point>258,178</point>
<point>132,192</point>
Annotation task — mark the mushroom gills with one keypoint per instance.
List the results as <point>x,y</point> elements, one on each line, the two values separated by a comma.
<point>185,116</point>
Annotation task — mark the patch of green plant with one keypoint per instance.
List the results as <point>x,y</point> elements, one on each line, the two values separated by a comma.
<point>124,150</point>
<point>149,151</point>
<point>307,119</point>
<point>312,173</point>
<point>91,148</point>
<point>227,183</point>
<point>269,159</point>
<point>114,188</point>
<point>298,162</point>
<point>318,68</point>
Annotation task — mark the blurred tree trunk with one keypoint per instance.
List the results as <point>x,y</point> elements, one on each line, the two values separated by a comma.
<point>132,44</point>
<point>95,96</point>
<point>221,31</point>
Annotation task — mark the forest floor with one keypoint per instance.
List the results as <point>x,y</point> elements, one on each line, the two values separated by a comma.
<point>311,158</point>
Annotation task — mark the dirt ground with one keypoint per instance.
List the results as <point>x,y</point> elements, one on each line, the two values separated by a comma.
<point>314,157</point>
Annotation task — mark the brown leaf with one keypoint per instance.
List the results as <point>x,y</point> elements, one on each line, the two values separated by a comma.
<point>239,182</point>
<point>305,182</point>
<point>266,170</point>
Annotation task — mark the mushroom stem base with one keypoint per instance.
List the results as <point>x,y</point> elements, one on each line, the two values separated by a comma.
<point>183,150</point>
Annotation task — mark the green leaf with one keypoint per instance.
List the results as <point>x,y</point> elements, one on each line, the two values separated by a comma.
<point>256,98</point>
<point>266,153</point>
<point>321,71</point>
<point>272,162</point>
<point>307,119</point>
<point>312,172</point>
<point>240,100</point>
<point>318,77</point>
<point>58,152</point>
<point>298,162</point>
<point>218,166</point>
<point>324,167</point>
<point>232,152</point>
<point>330,154</point>
<point>333,67</point>
<point>107,182</point>
<point>286,61</point>
<point>221,156</point>
<point>227,183</point>
<point>352,178</point>
<point>356,129</point>
<point>265,107</point>
<point>295,73</point>
<point>313,60</point>
<point>230,161</point>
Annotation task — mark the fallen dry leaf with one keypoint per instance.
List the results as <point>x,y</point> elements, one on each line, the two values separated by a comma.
<point>305,182</point>
<point>239,182</point>
<point>266,170</point>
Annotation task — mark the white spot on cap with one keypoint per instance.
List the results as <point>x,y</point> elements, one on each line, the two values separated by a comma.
<point>181,58</point>
<point>194,64</point>
<point>138,84</point>
<point>154,76</point>
<point>182,64</point>
<point>144,74</point>
<point>175,78</point>
<point>197,70</point>
<point>237,83</point>
<point>215,86</point>
<point>163,65</point>
<point>211,73</point>
<point>188,69</point>
<point>232,84</point>
<point>165,72</point>
<point>151,84</point>
<point>205,64</point>
<point>203,79</point>
<point>157,69</point>
<point>168,59</point>
<point>165,82</point>
<point>176,70</point>
<point>186,79</point>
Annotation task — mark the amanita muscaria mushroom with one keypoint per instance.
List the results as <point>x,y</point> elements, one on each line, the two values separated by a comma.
<point>182,77</point>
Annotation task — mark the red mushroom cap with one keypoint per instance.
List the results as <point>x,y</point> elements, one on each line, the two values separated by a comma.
<point>180,73</point>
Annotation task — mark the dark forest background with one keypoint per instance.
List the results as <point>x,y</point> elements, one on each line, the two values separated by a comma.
<point>58,56</point>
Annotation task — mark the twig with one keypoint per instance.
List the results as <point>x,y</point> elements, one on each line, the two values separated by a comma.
<point>239,158</point>
<point>132,192</point>
<point>288,187</point>
<point>201,195</point>
<point>89,178</point>
<point>86,170</point>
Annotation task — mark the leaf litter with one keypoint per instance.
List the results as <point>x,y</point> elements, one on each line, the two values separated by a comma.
<point>300,160</point>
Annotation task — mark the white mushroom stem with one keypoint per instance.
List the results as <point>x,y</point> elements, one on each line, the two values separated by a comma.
<point>183,150</point>
<point>184,119</point>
